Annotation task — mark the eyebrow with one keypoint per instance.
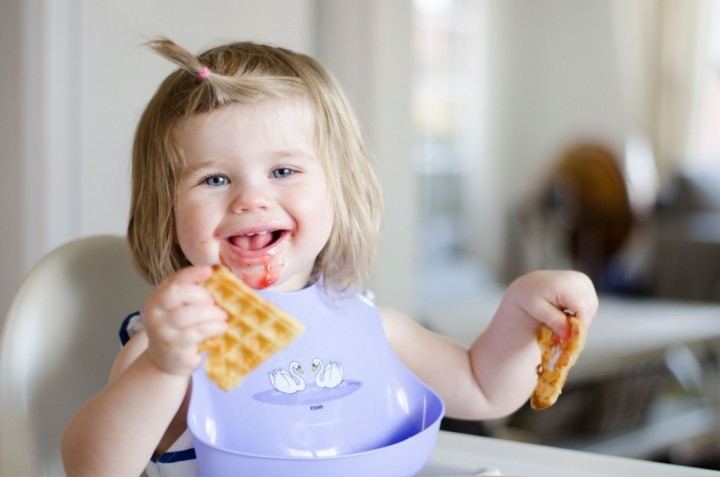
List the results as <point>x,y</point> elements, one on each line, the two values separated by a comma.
<point>186,167</point>
<point>279,154</point>
<point>296,153</point>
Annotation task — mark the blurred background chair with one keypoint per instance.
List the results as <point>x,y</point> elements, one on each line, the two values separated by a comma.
<point>580,218</point>
<point>587,201</point>
<point>57,346</point>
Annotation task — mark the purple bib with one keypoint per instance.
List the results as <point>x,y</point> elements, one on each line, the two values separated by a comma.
<point>337,389</point>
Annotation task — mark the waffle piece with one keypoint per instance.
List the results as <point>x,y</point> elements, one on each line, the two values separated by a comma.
<point>257,330</point>
<point>558,356</point>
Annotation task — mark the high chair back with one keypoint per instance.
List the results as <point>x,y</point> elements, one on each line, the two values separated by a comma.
<point>57,346</point>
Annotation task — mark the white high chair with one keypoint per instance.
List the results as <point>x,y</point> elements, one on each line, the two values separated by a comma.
<point>58,343</point>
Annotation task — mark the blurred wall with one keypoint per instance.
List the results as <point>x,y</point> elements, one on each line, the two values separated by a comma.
<point>11,249</point>
<point>82,78</point>
<point>368,45</point>
<point>553,81</point>
<point>75,80</point>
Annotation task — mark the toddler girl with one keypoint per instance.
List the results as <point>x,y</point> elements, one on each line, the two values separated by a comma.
<point>250,156</point>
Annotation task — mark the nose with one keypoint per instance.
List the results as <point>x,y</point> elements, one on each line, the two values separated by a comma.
<point>249,198</point>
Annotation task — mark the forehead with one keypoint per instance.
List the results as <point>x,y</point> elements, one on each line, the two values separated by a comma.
<point>277,119</point>
<point>269,112</point>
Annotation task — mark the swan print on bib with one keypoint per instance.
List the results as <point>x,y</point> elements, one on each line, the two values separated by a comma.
<point>288,382</point>
<point>330,376</point>
<point>290,386</point>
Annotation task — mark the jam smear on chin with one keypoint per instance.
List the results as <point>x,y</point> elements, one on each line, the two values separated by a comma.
<point>257,274</point>
<point>260,281</point>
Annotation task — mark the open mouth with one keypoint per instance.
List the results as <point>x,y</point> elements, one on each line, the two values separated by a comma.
<point>256,241</point>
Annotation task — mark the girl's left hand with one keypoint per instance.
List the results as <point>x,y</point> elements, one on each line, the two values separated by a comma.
<point>544,296</point>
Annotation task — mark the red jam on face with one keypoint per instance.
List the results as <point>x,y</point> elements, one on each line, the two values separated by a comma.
<point>261,280</point>
<point>258,273</point>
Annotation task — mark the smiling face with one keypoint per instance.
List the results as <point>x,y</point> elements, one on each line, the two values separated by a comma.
<point>253,194</point>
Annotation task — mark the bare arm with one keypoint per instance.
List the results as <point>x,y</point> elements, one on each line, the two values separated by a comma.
<point>497,374</point>
<point>117,431</point>
<point>140,411</point>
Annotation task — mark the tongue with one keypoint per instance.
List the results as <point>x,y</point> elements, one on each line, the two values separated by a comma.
<point>253,242</point>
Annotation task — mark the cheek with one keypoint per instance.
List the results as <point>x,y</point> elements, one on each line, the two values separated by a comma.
<point>326,220</point>
<point>329,213</point>
<point>194,233</point>
<point>316,215</point>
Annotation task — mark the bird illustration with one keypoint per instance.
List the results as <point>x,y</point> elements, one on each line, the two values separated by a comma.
<point>287,382</point>
<point>328,376</point>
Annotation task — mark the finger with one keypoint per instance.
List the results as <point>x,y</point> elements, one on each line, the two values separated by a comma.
<point>192,315</point>
<point>193,274</point>
<point>583,302</point>
<point>189,275</point>
<point>174,295</point>
<point>210,329</point>
<point>198,332</point>
<point>584,311</point>
<point>555,317</point>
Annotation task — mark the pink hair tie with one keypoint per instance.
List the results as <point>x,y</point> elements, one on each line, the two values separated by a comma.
<point>204,73</point>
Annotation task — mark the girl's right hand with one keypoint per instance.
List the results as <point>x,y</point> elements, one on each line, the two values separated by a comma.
<point>178,315</point>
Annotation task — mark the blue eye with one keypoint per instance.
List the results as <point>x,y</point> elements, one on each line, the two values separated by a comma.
<point>281,172</point>
<point>216,180</point>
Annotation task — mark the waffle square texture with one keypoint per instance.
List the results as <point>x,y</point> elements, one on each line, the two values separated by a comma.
<point>257,330</point>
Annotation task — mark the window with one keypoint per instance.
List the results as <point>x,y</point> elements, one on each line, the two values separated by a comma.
<point>448,119</point>
<point>708,154</point>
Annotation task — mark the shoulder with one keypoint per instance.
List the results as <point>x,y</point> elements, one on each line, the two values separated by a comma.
<point>353,298</point>
<point>397,325</point>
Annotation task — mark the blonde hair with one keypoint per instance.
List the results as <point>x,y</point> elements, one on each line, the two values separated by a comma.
<point>245,72</point>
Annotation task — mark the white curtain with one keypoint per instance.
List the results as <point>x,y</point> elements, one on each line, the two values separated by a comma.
<point>662,48</point>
